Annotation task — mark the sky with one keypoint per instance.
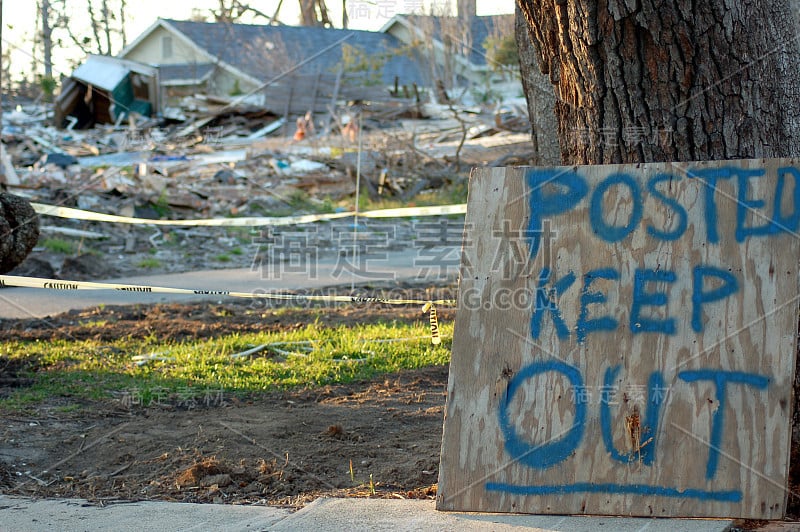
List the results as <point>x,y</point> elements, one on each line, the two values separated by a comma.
<point>19,21</point>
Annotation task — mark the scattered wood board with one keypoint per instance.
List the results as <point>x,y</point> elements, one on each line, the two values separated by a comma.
<point>625,341</point>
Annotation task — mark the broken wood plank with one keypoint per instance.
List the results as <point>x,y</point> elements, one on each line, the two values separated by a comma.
<point>194,126</point>
<point>67,231</point>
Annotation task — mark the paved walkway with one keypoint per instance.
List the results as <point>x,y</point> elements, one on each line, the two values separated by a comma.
<point>322,515</point>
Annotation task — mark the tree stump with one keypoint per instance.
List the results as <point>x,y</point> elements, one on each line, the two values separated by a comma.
<point>19,231</point>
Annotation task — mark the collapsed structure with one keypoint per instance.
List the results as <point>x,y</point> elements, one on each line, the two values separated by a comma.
<point>284,69</point>
<point>198,120</point>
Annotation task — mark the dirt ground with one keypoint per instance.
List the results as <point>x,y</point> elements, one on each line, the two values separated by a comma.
<point>281,448</point>
<point>379,438</point>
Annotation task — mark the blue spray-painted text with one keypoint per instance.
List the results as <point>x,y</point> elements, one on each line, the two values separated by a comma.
<point>555,192</point>
<point>545,455</point>
<point>710,285</point>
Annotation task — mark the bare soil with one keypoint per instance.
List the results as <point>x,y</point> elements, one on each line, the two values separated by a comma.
<point>377,439</point>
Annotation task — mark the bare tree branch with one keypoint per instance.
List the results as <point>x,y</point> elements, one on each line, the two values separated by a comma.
<point>95,26</point>
<point>122,7</point>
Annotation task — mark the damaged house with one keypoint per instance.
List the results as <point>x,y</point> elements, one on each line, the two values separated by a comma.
<point>106,90</point>
<point>287,70</point>
<point>284,68</point>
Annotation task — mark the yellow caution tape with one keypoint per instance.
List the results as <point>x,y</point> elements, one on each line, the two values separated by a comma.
<point>435,338</point>
<point>249,221</point>
<point>53,284</point>
<point>434,319</point>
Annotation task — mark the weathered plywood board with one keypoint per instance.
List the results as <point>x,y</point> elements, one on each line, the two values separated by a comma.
<point>625,341</point>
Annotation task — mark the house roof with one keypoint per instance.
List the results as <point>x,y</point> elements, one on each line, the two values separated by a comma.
<point>265,51</point>
<point>480,29</point>
<point>107,72</point>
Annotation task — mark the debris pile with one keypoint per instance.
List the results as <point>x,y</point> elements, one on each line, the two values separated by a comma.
<point>215,158</point>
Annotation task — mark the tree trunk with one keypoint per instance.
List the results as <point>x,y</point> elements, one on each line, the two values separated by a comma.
<point>309,15</point>
<point>47,39</point>
<point>106,26</point>
<point>541,99</point>
<point>34,55</point>
<point>122,33</point>
<point>669,81</point>
<point>466,9</point>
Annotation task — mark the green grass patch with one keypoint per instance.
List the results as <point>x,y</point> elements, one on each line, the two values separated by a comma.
<point>451,195</point>
<point>94,323</point>
<point>161,205</point>
<point>149,263</point>
<point>58,245</point>
<point>145,371</point>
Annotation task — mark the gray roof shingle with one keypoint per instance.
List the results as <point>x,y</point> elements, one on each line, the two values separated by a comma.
<point>265,51</point>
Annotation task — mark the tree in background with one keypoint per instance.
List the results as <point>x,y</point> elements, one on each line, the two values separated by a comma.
<point>231,11</point>
<point>47,37</point>
<point>55,30</point>
<point>502,54</point>
<point>315,13</point>
<point>43,38</point>
<point>456,42</point>
<point>105,34</point>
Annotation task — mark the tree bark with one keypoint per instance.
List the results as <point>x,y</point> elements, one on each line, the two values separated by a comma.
<point>669,80</point>
<point>540,97</point>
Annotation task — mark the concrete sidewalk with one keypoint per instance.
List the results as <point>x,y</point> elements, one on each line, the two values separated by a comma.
<point>22,514</point>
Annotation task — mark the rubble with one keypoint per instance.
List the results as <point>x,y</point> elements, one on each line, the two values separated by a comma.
<point>211,159</point>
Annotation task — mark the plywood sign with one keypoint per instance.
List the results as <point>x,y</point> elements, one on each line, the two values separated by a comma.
<point>625,341</point>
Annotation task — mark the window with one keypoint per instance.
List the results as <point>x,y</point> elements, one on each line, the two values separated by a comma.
<point>166,47</point>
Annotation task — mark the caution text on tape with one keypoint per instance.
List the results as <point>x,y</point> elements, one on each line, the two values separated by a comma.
<point>52,284</point>
<point>36,282</point>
